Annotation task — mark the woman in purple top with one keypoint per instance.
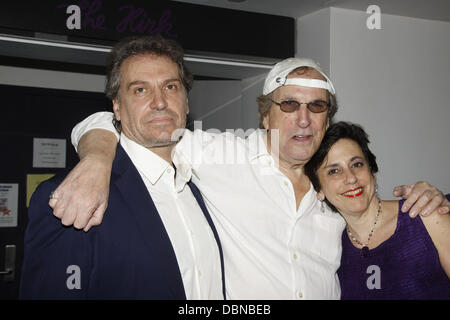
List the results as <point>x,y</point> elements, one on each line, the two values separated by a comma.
<point>385,254</point>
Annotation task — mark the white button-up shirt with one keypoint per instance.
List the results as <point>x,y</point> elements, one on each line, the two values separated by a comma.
<point>271,249</point>
<point>192,239</point>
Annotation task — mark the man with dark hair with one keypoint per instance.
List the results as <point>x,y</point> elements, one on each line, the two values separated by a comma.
<point>157,240</point>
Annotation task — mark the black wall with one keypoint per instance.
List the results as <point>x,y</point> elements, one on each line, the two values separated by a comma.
<point>28,113</point>
<point>196,27</point>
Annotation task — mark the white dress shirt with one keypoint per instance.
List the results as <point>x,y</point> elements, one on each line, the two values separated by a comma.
<point>192,239</point>
<point>271,249</point>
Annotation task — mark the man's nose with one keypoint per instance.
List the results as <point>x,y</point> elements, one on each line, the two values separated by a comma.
<point>159,101</point>
<point>303,116</point>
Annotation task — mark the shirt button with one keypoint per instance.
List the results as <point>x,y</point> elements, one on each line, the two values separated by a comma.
<point>169,170</point>
<point>300,295</point>
<point>286,183</point>
<point>295,256</point>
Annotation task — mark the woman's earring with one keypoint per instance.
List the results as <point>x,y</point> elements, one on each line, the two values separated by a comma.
<point>322,206</point>
<point>376,190</point>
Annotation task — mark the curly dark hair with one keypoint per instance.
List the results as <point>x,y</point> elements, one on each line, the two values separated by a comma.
<point>141,45</point>
<point>336,132</point>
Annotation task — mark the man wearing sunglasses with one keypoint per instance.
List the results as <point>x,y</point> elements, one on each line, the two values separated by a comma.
<point>278,242</point>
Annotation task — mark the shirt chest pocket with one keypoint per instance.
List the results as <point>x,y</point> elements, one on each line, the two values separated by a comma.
<point>327,238</point>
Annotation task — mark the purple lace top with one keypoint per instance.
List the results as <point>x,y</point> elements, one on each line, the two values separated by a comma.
<point>405,266</point>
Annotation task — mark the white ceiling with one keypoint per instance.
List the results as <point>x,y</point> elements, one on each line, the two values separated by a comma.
<point>425,9</point>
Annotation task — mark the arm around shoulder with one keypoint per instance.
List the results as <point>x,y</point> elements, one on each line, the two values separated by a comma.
<point>81,199</point>
<point>98,120</point>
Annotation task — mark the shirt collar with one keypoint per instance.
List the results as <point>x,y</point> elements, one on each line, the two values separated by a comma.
<point>147,162</point>
<point>184,170</point>
<point>153,166</point>
<point>257,145</point>
<point>309,200</point>
<point>186,167</point>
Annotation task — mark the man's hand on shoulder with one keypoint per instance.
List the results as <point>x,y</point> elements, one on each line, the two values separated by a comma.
<point>422,198</point>
<point>81,199</point>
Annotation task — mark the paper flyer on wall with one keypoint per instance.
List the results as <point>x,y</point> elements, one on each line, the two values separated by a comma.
<point>9,199</point>
<point>49,153</point>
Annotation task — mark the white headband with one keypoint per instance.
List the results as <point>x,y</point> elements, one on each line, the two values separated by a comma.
<point>277,77</point>
<point>311,83</point>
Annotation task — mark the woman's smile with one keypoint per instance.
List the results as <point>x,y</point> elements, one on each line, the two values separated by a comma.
<point>354,192</point>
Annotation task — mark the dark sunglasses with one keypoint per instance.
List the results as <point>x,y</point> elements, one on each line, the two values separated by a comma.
<point>317,106</point>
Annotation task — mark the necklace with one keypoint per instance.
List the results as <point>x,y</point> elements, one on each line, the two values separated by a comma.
<point>365,247</point>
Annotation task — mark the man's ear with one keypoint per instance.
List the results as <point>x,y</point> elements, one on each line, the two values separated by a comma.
<point>116,108</point>
<point>265,121</point>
